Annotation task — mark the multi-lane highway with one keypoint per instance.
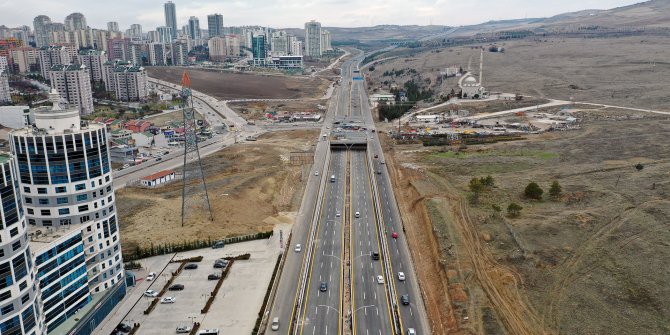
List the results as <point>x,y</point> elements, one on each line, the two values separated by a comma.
<point>335,283</point>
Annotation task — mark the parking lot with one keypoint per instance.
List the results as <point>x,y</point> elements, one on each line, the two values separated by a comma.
<point>237,303</point>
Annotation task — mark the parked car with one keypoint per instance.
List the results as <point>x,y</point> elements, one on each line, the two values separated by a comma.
<point>183,329</point>
<point>176,287</point>
<point>404,299</point>
<point>298,248</point>
<point>159,158</point>
<point>380,279</point>
<point>214,276</point>
<point>151,276</point>
<point>150,293</point>
<point>221,263</point>
<point>168,300</point>
<point>191,266</point>
<point>124,327</point>
<point>401,276</point>
<point>323,287</point>
<point>218,245</point>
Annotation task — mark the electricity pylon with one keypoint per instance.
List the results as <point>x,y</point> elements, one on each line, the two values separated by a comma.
<point>194,187</point>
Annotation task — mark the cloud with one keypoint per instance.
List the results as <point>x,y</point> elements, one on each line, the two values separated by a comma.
<point>293,13</point>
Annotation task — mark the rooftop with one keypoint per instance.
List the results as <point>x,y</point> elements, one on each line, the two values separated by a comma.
<point>158,175</point>
<point>4,157</point>
<point>43,237</point>
<point>68,67</point>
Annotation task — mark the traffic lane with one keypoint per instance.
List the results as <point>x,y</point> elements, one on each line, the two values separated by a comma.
<point>318,304</point>
<point>370,307</point>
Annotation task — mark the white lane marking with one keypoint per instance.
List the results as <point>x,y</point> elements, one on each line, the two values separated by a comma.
<point>364,295</point>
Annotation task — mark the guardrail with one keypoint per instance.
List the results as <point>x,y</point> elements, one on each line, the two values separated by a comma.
<point>304,276</point>
<point>395,313</point>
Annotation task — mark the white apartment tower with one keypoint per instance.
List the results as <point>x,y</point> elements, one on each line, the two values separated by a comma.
<point>5,95</point>
<point>21,309</point>
<point>54,55</point>
<point>313,39</point>
<point>75,21</point>
<point>130,83</point>
<point>93,60</point>
<point>113,27</point>
<point>74,85</point>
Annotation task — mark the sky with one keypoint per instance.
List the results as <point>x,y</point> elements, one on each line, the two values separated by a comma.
<point>293,13</point>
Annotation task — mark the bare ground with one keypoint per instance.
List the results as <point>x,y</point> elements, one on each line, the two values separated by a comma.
<point>592,261</point>
<point>256,110</point>
<point>251,187</point>
<point>225,85</point>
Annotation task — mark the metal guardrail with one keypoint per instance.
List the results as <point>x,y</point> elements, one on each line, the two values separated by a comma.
<point>395,313</point>
<point>304,276</point>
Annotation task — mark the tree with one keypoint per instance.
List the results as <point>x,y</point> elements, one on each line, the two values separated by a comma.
<point>496,210</point>
<point>487,181</point>
<point>476,187</point>
<point>639,166</point>
<point>514,209</point>
<point>533,191</point>
<point>555,189</point>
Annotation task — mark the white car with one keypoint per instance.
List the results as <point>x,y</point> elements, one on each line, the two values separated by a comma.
<point>298,248</point>
<point>316,173</point>
<point>275,324</point>
<point>150,293</point>
<point>380,279</point>
<point>358,214</point>
<point>337,215</point>
<point>183,329</point>
<point>401,276</point>
<point>411,331</point>
<point>151,276</point>
<point>168,300</point>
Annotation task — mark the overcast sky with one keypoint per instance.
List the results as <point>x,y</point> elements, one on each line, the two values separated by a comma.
<point>293,13</point>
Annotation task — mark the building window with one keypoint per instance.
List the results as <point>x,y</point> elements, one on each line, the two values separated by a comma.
<point>7,309</point>
<point>84,218</point>
<point>79,187</point>
<point>65,222</point>
<point>42,190</point>
<point>61,201</point>
<point>46,222</point>
<point>43,201</point>
<point>29,200</point>
<point>14,232</point>
<point>63,211</point>
<point>16,245</point>
<point>5,295</point>
<point>31,221</point>
<point>45,212</point>
<point>83,208</point>
<point>25,298</point>
<point>31,211</point>
<point>26,189</point>
<point>106,178</point>
<point>23,285</point>
<point>82,197</point>
<point>61,189</point>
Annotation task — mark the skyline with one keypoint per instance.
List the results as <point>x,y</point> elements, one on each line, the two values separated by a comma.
<point>350,13</point>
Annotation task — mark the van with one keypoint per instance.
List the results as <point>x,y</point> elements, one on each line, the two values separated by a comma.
<point>275,324</point>
<point>213,331</point>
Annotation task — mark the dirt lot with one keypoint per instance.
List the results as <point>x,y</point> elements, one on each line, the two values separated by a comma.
<point>592,261</point>
<point>256,110</point>
<point>251,187</point>
<point>224,85</point>
<point>629,71</point>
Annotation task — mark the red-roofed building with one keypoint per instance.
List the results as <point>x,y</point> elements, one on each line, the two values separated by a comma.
<point>158,178</point>
<point>137,126</point>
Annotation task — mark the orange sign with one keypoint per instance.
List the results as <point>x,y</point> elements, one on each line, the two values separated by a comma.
<point>185,80</point>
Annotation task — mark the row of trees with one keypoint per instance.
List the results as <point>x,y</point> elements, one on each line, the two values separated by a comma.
<point>532,191</point>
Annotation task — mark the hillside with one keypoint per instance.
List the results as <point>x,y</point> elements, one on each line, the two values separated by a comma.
<point>376,33</point>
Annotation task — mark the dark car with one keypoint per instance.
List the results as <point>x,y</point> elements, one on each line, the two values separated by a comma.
<point>375,256</point>
<point>323,287</point>
<point>214,276</point>
<point>176,287</point>
<point>218,245</point>
<point>220,263</point>
<point>404,299</point>
<point>191,266</point>
<point>124,327</point>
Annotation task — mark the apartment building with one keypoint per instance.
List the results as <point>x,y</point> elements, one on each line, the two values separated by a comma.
<point>73,83</point>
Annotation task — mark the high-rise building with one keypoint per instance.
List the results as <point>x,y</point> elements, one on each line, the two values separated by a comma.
<point>21,310</point>
<point>296,48</point>
<point>217,49</point>
<point>232,46</point>
<point>171,17</point>
<point>41,24</point>
<point>54,55</point>
<point>5,95</point>
<point>164,35</point>
<point>75,21</point>
<point>325,41</point>
<point>259,49</point>
<point>93,60</point>
<point>3,63</point>
<point>24,60</point>
<point>131,83</point>
<point>313,39</point>
<point>279,43</point>
<point>65,180</point>
<point>74,85</point>
<point>113,26</point>
<point>215,25</point>
<point>157,54</point>
<point>179,51</point>
<point>136,32</point>
<point>194,28</point>
<point>117,48</point>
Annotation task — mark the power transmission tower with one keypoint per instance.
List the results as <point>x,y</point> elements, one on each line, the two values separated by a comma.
<point>194,189</point>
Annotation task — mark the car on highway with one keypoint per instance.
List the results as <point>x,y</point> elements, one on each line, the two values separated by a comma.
<point>298,248</point>
<point>183,329</point>
<point>168,300</point>
<point>316,173</point>
<point>375,256</point>
<point>404,299</point>
<point>275,324</point>
<point>191,266</point>
<point>394,235</point>
<point>401,276</point>
<point>150,293</point>
<point>176,287</point>
<point>376,156</point>
<point>380,279</point>
<point>411,331</point>
<point>323,287</point>
<point>337,214</point>
<point>383,162</point>
<point>151,276</point>
<point>357,214</point>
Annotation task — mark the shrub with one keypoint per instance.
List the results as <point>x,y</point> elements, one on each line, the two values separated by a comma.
<point>514,209</point>
<point>533,191</point>
<point>555,189</point>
